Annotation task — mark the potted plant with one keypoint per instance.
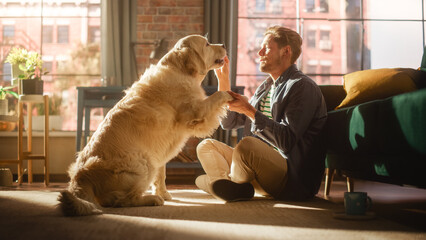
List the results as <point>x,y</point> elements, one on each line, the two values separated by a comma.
<point>16,57</point>
<point>29,81</point>
<point>4,91</point>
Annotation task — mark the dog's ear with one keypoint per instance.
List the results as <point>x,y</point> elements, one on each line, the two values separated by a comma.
<point>181,44</point>
<point>186,59</point>
<point>171,59</point>
<point>193,62</point>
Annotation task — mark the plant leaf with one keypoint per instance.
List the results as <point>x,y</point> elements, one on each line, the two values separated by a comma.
<point>13,93</point>
<point>22,67</point>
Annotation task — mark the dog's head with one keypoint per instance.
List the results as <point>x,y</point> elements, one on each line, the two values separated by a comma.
<point>194,55</point>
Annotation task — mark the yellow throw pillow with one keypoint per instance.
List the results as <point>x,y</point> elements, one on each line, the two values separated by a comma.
<point>368,85</point>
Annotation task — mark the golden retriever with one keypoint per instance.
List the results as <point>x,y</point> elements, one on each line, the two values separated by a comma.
<point>147,128</point>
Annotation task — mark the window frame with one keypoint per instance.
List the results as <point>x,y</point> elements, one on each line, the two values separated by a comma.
<point>317,16</point>
<point>42,17</point>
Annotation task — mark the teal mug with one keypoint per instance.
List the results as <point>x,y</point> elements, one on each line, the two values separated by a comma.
<point>356,203</point>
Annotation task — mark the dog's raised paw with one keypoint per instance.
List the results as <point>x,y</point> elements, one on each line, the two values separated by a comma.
<point>227,97</point>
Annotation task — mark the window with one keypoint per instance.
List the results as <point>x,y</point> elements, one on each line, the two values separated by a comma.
<point>325,72</point>
<point>69,45</point>
<point>48,65</point>
<point>63,32</point>
<point>309,5</point>
<point>319,6</point>
<point>7,73</point>
<point>312,66</point>
<point>260,6</point>
<point>325,41</point>
<point>8,34</point>
<point>94,34</point>
<point>339,37</point>
<point>275,6</point>
<point>324,35</point>
<point>323,6</point>
<point>47,34</point>
<point>311,38</point>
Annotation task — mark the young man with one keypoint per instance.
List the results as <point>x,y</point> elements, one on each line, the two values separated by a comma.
<point>281,154</point>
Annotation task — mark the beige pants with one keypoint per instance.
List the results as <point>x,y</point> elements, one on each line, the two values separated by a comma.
<point>251,160</point>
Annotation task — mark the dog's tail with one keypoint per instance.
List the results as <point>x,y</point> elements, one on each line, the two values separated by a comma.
<point>75,206</point>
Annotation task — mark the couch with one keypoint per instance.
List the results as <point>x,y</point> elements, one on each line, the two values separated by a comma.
<point>381,139</point>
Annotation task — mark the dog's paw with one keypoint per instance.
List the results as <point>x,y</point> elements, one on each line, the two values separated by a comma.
<point>153,200</point>
<point>226,96</point>
<point>165,195</point>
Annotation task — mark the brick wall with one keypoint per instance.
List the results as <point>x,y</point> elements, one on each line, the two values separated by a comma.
<point>172,20</point>
<point>169,19</point>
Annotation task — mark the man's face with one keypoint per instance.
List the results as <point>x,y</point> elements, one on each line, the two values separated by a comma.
<point>269,54</point>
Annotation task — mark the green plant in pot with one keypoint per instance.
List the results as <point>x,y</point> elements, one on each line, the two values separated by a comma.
<point>4,91</point>
<point>29,81</point>
<point>16,57</point>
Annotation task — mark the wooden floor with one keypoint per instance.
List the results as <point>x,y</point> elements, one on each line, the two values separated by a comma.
<point>404,205</point>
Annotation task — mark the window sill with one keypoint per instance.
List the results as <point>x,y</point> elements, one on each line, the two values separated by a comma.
<point>40,134</point>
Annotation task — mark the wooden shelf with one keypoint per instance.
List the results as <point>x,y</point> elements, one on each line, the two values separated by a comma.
<point>22,156</point>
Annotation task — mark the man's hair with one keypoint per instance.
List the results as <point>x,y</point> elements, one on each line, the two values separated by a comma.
<point>284,36</point>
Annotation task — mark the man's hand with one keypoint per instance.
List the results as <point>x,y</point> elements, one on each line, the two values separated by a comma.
<point>222,75</point>
<point>240,104</point>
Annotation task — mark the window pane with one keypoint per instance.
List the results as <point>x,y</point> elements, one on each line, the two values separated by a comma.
<point>309,6</point>
<point>329,9</point>
<point>70,50</point>
<point>19,32</point>
<point>63,88</point>
<point>63,34</point>
<point>352,9</point>
<point>310,39</point>
<point>250,82</point>
<point>395,44</point>
<point>393,9</point>
<point>250,36</point>
<point>339,36</point>
<point>20,8</point>
<point>326,80</point>
<point>323,6</point>
<point>8,34</point>
<point>7,75</point>
<point>94,34</point>
<point>337,47</point>
<point>266,8</point>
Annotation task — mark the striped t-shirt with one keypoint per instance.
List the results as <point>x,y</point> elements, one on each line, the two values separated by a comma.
<point>265,103</point>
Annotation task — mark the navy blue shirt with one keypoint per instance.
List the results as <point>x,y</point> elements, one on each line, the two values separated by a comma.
<point>298,115</point>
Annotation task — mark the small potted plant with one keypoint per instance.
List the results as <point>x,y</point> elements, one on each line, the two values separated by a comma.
<point>29,81</point>
<point>4,91</point>
<point>16,57</point>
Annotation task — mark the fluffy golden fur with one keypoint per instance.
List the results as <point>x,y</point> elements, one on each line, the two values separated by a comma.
<point>148,127</point>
